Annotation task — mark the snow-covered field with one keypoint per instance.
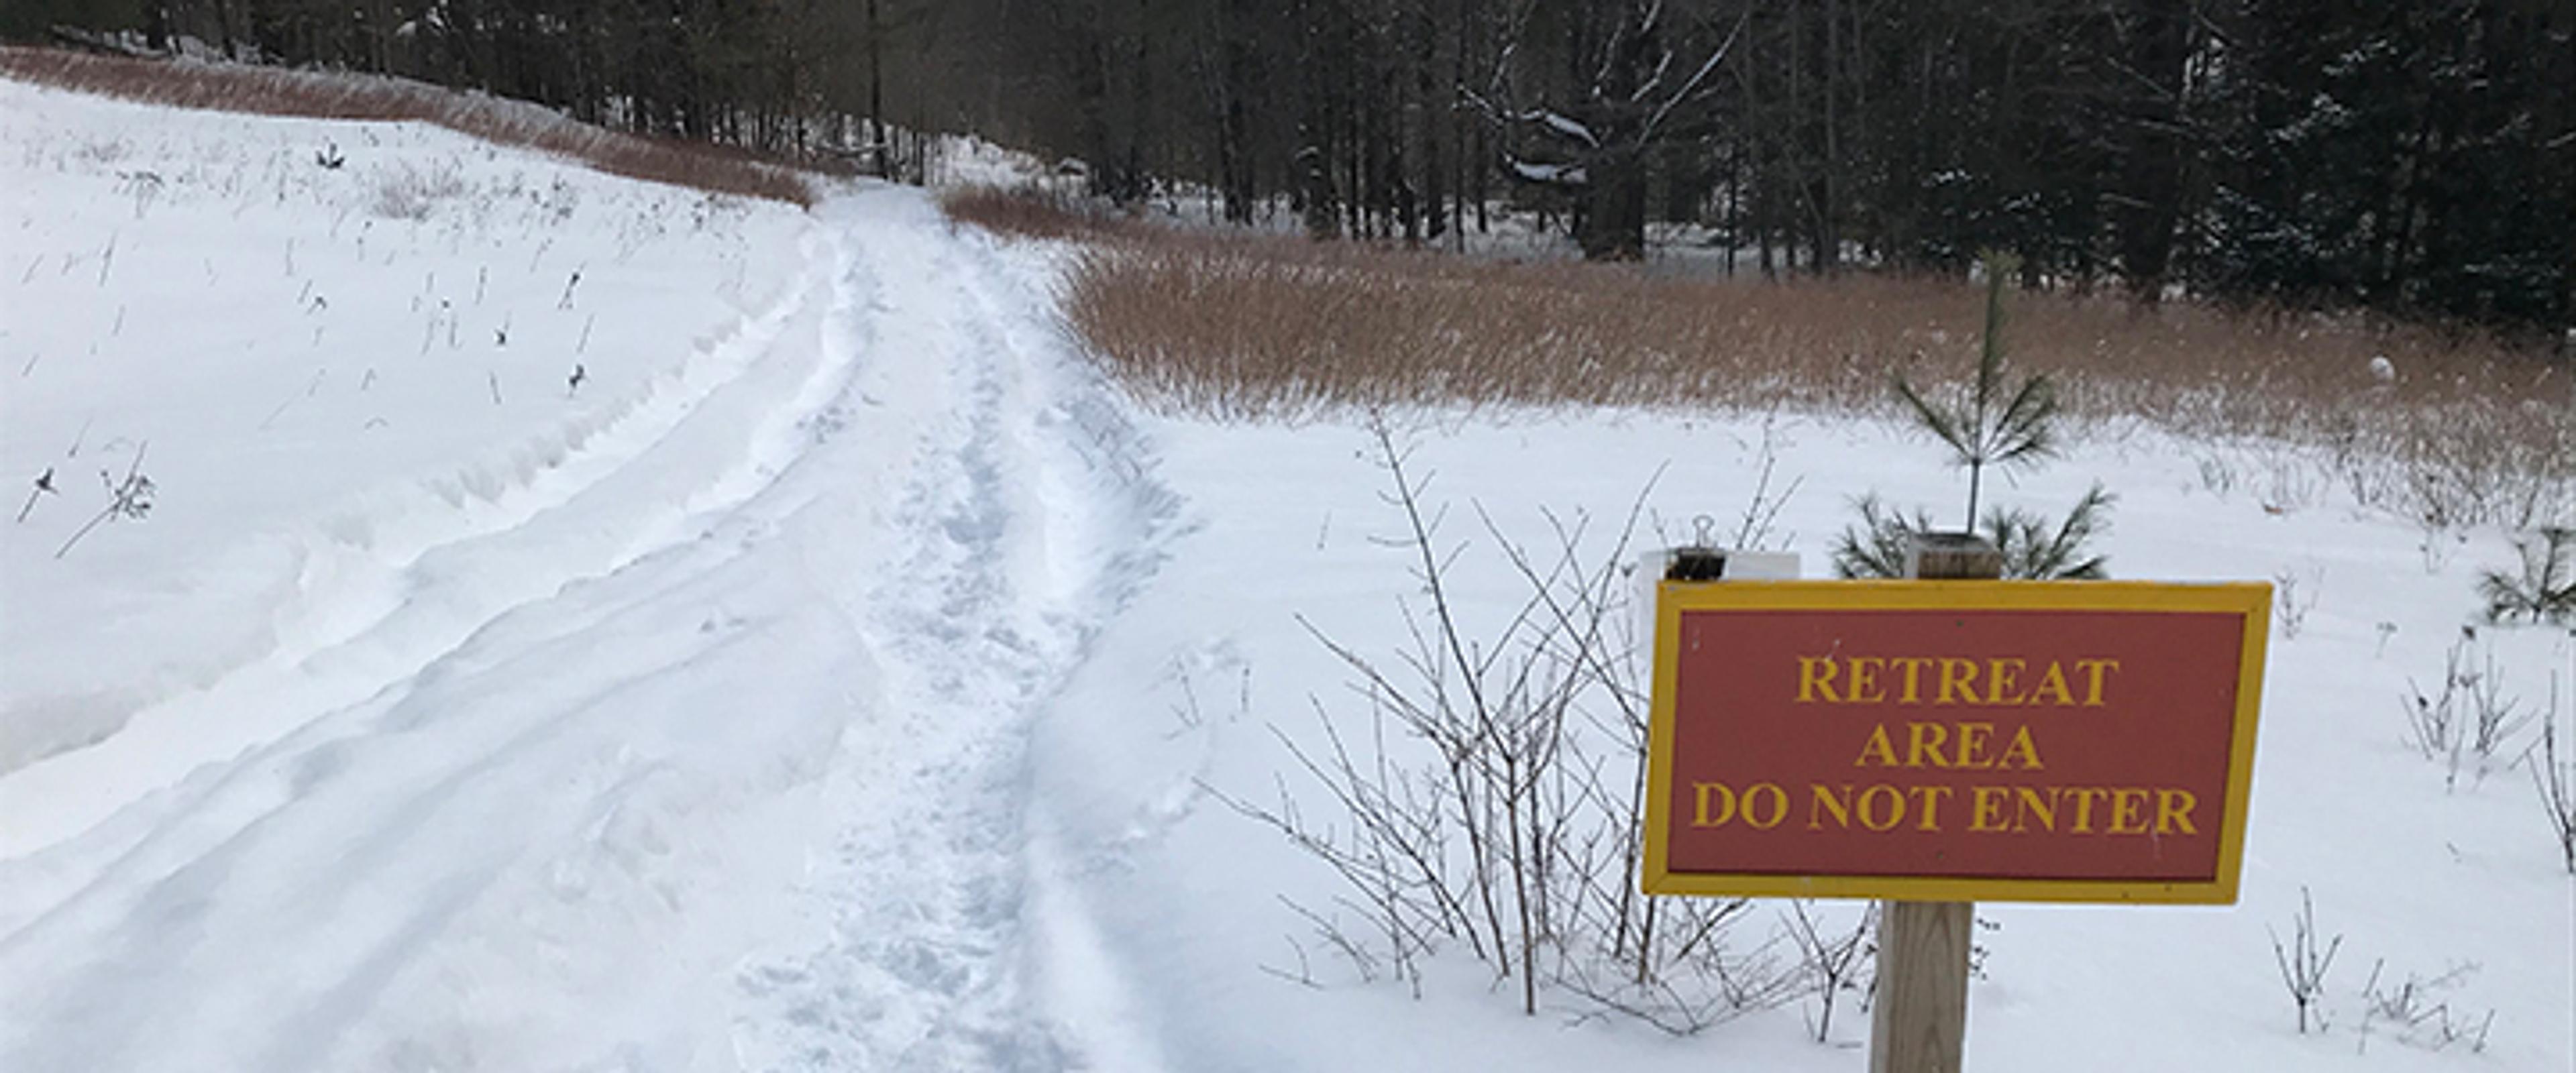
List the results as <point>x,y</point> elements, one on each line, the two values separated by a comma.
<point>323,371</point>
<point>840,676</point>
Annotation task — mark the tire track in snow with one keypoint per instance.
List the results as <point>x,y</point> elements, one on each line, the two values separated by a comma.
<point>397,597</point>
<point>333,860</point>
<point>555,842</point>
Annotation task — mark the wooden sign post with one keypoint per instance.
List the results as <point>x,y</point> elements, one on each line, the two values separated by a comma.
<point>1919,1020</point>
<point>1947,739</point>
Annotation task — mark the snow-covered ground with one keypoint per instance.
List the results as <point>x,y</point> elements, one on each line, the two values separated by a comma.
<point>323,371</point>
<point>840,676</point>
<point>2427,880</point>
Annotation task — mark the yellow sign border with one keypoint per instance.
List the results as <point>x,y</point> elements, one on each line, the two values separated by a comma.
<point>2253,600</point>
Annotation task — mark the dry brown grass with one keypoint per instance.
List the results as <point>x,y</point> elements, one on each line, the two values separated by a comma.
<point>1280,329</point>
<point>1038,213</point>
<point>275,91</point>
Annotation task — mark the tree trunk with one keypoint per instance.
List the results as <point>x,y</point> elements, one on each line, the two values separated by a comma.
<point>2154,166</point>
<point>1613,227</point>
<point>877,148</point>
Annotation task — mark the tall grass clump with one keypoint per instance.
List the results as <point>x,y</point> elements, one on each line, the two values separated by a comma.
<point>1036,212</point>
<point>2447,428</point>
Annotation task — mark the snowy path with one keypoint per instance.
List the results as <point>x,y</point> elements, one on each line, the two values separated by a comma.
<point>711,754</point>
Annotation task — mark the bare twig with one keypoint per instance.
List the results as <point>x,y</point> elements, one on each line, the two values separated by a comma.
<point>127,498</point>
<point>43,486</point>
<point>1516,835</point>
<point>2304,966</point>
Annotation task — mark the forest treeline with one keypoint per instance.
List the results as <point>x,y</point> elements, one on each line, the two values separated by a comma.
<point>2416,158</point>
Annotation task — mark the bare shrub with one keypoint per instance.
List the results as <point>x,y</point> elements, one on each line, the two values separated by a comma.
<point>277,91</point>
<point>2419,1015</point>
<point>1835,959</point>
<point>2554,778</point>
<point>2470,721</point>
<point>1496,804</point>
<point>2293,599</point>
<point>2304,964</point>
<point>1753,529</point>
<point>128,498</point>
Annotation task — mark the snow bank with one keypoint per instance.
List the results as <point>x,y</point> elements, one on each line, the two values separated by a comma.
<point>327,370</point>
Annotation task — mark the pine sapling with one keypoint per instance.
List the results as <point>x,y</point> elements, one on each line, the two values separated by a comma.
<point>1878,547</point>
<point>1997,424</point>
<point>2034,547</point>
<point>2546,590</point>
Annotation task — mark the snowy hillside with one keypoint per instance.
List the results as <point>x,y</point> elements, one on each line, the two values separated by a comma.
<point>322,368</point>
<point>584,624</point>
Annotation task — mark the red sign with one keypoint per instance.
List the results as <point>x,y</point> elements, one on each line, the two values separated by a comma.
<point>1954,740</point>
